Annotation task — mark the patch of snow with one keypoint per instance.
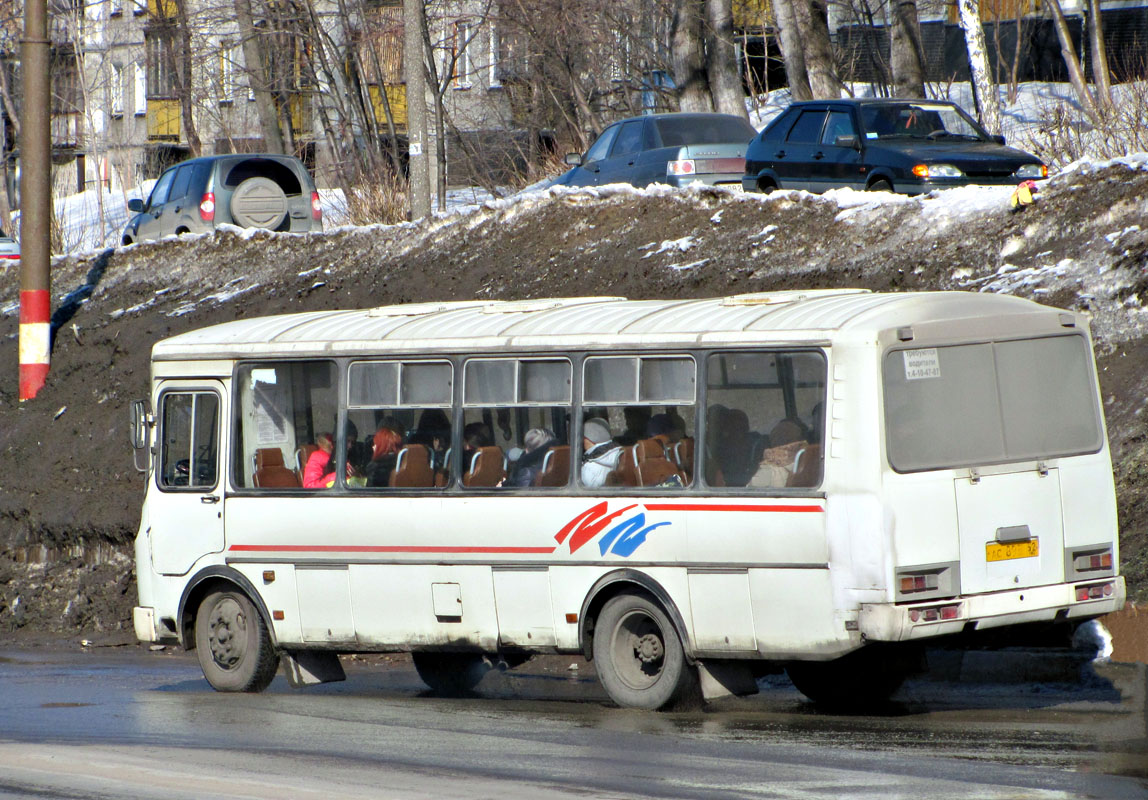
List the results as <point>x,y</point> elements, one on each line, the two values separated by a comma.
<point>684,267</point>
<point>716,218</point>
<point>678,245</point>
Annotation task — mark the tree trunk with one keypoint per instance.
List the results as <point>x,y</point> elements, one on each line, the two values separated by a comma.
<point>907,55</point>
<point>1101,77</point>
<point>984,92</point>
<point>792,49</point>
<point>722,67</point>
<point>182,71</point>
<point>1068,52</point>
<point>687,43</point>
<point>257,78</point>
<point>813,22</point>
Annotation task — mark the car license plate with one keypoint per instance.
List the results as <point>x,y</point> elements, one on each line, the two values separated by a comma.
<point>1011,550</point>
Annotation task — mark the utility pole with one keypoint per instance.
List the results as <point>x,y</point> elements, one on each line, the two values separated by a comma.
<point>418,165</point>
<point>35,203</point>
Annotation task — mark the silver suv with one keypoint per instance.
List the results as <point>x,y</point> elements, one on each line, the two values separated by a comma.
<point>268,191</point>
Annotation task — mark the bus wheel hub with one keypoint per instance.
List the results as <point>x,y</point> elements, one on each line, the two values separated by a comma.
<point>649,648</point>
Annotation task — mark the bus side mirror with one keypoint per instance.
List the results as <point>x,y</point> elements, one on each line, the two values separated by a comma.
<point>139,432</point>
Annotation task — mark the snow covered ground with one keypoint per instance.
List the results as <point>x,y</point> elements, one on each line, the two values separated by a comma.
<point>91,221</point>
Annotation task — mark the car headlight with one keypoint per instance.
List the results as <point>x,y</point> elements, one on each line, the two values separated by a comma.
<point>937,171</point>
<point>1032,171</point>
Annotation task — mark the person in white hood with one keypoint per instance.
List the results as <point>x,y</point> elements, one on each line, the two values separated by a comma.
<point>600,453</point>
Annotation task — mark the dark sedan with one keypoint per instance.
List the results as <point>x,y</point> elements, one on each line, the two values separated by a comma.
<point>905,146</point>
<point>677,149</point>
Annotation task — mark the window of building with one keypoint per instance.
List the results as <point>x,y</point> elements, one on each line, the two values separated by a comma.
<point>492,56</point>
<point>116,90</point>
<point>162,65</point>
<point>139,90</point>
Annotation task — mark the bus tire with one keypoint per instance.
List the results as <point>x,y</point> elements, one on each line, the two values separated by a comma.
<point>638,655</point>
<point>450,674</point>
<point>859,680</point>
<point>232,642</point>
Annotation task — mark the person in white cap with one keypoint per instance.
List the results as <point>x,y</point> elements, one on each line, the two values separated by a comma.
<point>600,453</point>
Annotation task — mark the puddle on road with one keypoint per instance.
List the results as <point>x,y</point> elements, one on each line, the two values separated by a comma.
<point>65,705</point>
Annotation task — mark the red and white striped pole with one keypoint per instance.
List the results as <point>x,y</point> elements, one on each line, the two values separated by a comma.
<point>35,203</point>
<point>35,341</point>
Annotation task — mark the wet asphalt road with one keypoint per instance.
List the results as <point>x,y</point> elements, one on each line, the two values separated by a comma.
<point>126,723</point>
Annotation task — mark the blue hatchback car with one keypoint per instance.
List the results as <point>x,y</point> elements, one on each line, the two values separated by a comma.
<point>907,146</point>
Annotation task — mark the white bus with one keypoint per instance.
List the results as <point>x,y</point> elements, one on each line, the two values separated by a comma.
<point>689,493</point>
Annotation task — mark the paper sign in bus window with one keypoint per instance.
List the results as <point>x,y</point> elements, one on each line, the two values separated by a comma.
<point>921,364</point>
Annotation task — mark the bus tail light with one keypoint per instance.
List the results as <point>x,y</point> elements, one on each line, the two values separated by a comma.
<point>943,613</point>
<point>1095,591</point>
<point>1083,563</point>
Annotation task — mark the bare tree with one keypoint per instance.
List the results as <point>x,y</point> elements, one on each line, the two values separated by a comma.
<point>813,22</point>
<point>984,91</point>
<point>722,68</point>
<point>689,56</point>
<point>1101,77</point>
<point>256,65</point>
<point>792,49</point>
<point>1068,52</point>
<point>906,54</point>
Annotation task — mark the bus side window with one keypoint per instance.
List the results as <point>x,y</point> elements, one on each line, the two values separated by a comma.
<point>516,424</point>
<point>282,408</point>
<point>764,419</point>
<point>398,429</point>
<point>646,405</point>
<point>190,436</point>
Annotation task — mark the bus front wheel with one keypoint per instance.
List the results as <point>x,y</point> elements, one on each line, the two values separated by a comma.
<point>233,645</point>
<point>450,673</point>
<point>638,654</point>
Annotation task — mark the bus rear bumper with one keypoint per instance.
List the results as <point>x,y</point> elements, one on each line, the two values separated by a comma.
<point>885,622</point>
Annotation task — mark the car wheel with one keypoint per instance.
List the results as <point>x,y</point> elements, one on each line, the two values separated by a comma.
<point>127,240</point>
<point>881,185</point>
<point>766,185</point>
<point>258,203</point>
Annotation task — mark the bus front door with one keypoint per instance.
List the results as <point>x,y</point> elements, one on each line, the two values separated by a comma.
<point>186,514</point>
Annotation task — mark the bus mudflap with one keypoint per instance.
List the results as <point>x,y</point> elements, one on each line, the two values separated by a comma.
<point>309,667</point>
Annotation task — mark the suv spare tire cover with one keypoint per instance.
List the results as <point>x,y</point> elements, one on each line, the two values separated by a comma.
<point>258,203</point>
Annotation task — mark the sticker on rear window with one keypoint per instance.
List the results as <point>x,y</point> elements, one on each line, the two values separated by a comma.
<point>920,364</point>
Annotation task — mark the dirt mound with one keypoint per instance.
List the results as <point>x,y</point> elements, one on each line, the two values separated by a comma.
<point>69,494</point>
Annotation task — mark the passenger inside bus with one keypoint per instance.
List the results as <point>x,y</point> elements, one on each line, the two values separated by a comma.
<point>600,453</point>
<point>384,455</point>
<point>320,472</point>
<point>527,469</point>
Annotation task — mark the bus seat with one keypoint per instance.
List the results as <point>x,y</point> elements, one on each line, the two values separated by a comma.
<point>627,469</point>
<point>412,468</point>
<point>806,467</point>
<point>442,469</point>
<point>555,467</point>
<point>487,468</point>
<point>652,465</point>
<point>270,473</point>
<point>684,456</point>
<point>786,432</point>
<point>302,453</point>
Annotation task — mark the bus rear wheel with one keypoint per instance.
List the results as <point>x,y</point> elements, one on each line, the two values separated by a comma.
<point>450,674</point>
<point>861,679</point>
<point>638,655</point>
<point>233,645</point>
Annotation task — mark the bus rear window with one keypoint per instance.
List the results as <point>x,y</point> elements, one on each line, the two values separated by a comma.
<point>990,403</point>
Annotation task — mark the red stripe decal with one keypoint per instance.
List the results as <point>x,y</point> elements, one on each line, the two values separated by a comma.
<point>367,548</point>
<point>710,507</point>
<point>35,306</point>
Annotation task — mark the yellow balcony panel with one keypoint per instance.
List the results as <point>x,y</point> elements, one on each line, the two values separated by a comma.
<point>300,114</point>
<point>161,9</point>
<point>163,120</point>
<point>396,97</point>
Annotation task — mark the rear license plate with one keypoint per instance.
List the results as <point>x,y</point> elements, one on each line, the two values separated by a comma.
<point>1007,552</point>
